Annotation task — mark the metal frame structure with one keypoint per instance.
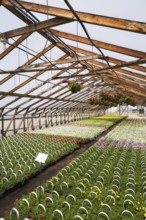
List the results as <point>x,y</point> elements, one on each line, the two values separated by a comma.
<point>95,70</point>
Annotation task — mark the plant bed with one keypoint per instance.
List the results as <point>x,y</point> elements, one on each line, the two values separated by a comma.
<point>18,163</point>
<point>78,130</point>
<point>30,142</point>
<point>100,184</point>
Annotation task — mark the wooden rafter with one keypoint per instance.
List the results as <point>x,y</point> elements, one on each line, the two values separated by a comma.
<point>128,86</point>
<point>37,87</point>
<point>13,46</point>
<point>34,27</point>
<point>127,79</point>
<point>127,25</point>
<point>80,96</point>
<point>103,45</point>
<point>117,62</point>
<point>28,62</point>
<point>34,96</point>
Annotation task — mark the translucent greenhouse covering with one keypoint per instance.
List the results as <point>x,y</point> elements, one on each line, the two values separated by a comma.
<point>46,46</point>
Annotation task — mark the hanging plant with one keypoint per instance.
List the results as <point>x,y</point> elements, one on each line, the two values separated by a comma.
<point>107,97</point>
<point>117,99</point>
<point>95,101</point>
<point>74,87</point>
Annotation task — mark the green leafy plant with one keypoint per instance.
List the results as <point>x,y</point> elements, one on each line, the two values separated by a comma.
<point>74,87</point>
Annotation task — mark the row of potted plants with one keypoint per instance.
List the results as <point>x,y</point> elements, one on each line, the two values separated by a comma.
<point>87,129</point>
<point>102,183</point>
<point>132,130</point>
<point>18,153</point>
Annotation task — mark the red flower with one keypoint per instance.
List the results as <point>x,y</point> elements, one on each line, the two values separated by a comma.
<point>41,216</point>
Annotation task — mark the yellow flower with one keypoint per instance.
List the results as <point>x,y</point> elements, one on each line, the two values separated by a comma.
<point>144,214</point>
<point>138,203</point>
<point>114,203</point>
<point>101,203</point>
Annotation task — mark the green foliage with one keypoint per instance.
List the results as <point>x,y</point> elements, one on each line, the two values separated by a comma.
<point>97,183</point>
<point>74,87</point>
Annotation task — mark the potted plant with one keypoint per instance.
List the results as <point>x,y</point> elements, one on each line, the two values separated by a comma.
<point>74,87</point>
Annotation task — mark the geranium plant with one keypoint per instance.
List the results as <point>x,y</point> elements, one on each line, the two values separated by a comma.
<point>95,101</point>
<point>119,99</point>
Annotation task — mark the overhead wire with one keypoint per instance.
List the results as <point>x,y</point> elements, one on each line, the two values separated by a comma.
<point>34,20</point>
<point>30,77</point>
<point>88,36</point>
<point>27,45</point>
<point>56,38</point>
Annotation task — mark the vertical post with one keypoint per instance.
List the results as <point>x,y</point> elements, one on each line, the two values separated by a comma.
<point>24,120</point>
<point>40,124</point>
<point>64,118</point>
<point>60,117</point>
<point>68,116</point>
<point>46,124</point>
<point>3,126</point>
<point>14,122</point>
<point>24,125</point>
<point>119,109</point>
<point>51,119</point>
<point>56,115</point>
<point>32,126</point>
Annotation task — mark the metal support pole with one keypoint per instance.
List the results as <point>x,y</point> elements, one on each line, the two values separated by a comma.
<point>46,123</point>
<point>3,127</point>
<point>40,124</point>
<point>24,125</point>
<point>51,119</point>
<point>14,122</point>
<point>32,126</point>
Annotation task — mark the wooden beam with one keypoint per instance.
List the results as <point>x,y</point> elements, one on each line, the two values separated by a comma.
<point>124,64</point>
<point>115,61</point>
<point>128,86</point>
<point>50,94</point>
<point>33,89</point>
<point>79,95</point>
<point>29,62</point>
<point>14,45</point>
<point>34,27</point>
<point>127,25</point>
<point>43,33</point>
<point>71,60</point>
<point>34,96</point>
<point>131,81</point>
<point>103,45</point>
<point>58,91</point>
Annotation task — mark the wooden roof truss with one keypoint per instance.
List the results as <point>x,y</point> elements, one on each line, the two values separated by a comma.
<point>96,72</point>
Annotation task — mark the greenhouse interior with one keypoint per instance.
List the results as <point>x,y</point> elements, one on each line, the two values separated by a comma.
<point>72,110</point>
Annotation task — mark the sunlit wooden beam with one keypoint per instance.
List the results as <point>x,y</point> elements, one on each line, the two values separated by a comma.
<point>103,45</point>
<point>34,27</point>
<point>123,24</point>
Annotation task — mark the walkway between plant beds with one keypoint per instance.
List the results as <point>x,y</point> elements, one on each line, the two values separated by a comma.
<point>7,202</point>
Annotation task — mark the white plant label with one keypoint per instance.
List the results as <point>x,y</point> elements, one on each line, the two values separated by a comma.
<point>41,158</point>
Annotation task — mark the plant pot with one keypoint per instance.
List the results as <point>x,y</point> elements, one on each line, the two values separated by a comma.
<point>74,91</point>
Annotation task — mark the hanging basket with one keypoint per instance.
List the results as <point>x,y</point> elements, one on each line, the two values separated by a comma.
<point>74,87</point>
